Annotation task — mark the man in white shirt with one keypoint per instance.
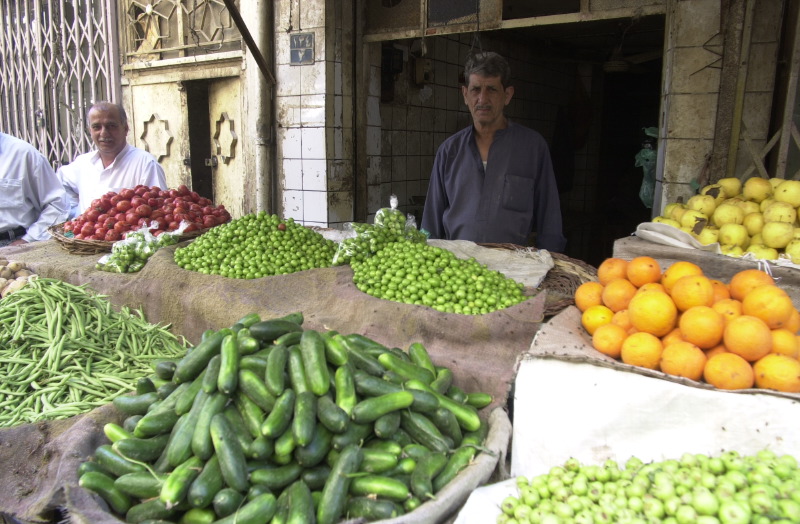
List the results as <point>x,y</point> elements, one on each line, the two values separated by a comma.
<point>115,165</point>
<point>31,197</point>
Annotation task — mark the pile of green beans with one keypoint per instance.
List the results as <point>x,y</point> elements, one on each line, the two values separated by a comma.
<point>65,351</point>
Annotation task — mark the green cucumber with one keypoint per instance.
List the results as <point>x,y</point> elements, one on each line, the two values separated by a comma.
<point>206,485</point>
<point>247,344</point>
<point>371,509</point>
<point>201,436</point>
<point>267,331</point>
<point>275,372</point>
<point>141,449</point>
<point>301,506</point>
<point>256,511</point>
<point>281,415</point>
<point>112,462</point>
<point>377,461</point>
<point>315,364</point>
<point>142,484</point>
<point>297,372</point>
<point>380,486</point>
<point>345,387</point>
<point>335,351</point>
<point>256,363</point>
<point>386,425</point>
<point>176,487</point>
<point>315,451</point>
<point>479,400</point>
<point>179,448</point>
<point>420,356</point>
<point>315,476</point>
<point>256,389</point>
<point>447,423</point>
<point>422,477</point>
<point>355,434</point>
<point>197,516</point>
<point>289,339</point>
<point>196,360</point>
<point>252,414</point>
<point>135,404</point>
<point>260,448</point>
<point>456,462</point>
<point>443,381</point>
<point>466,415</point>
<point>407,369</point>
<point>103,485</point>
<point>360,358</point>
<point>150,509</point>
<point>226,501</point>
<point>277,477</point>
<point>249,319</point>
<point>115,432</point>
<point>305,417</point>
<point>228,378</point>
<point>230,453</point>
<point>145,385</point>
<point>211,375</point>
<point>423,431</point>
<point>285,446</point>
<point>372,408</point>
<point>334,494</point>
<point>331,415</point>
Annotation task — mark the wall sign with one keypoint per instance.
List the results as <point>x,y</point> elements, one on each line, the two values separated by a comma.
<point>301,47</point>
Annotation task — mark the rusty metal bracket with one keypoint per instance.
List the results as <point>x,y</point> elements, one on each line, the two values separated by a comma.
<point>251,44</point>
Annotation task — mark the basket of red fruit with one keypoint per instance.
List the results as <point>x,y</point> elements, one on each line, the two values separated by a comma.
<point>111,216</point>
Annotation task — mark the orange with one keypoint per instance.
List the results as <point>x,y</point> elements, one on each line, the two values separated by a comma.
<point>769,303</point>
<point>784,342</point>
<point>608,339</point>
<point>747,279</point>
<point>617,294</point>
<point>673,336</point>
<point>719,348</point>
<point>778,372</point>
<point>683,359</point>
<point>595,316</point>
<point>749,337</point>
<point>643,270</point>
<point>653,312</point>
<point>652,286</point>
<point>588,294</point>
<point>692,290</point>
<point>793,324</point>
<point>729,308</point>
<point>679,269</point>
<point>728,371</point>
<point>642,349</point>
<point>612,268</point>
<point>721,290</point>
<point>622,319</point>
<point>702,326</point>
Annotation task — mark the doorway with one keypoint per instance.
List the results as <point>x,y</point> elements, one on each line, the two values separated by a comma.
<point>199,137</point>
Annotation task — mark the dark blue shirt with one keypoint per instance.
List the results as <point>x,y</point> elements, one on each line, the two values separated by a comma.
<point>515,195</point>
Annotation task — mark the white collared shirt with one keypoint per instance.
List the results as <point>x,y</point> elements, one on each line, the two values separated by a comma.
<point>85,178</point>
<point>31,195</point>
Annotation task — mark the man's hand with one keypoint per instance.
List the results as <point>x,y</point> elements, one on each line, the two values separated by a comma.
<point>18,242</point>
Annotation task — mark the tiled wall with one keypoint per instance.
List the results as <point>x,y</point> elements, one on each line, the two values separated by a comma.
<point>314,107</point>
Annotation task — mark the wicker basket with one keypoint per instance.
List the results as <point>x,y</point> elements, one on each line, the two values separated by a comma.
<point>561,281</point>
<point>79,246</point>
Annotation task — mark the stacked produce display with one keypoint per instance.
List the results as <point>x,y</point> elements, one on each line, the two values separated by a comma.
<point>732,335</point>
<point>13,276</point>
<point>266,421</point>
<point>729,488</point>
<point>758,216</point>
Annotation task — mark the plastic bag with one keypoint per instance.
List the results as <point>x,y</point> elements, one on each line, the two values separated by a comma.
<point>646,159</point>
<point>390,225</point>
<point>130,254</point>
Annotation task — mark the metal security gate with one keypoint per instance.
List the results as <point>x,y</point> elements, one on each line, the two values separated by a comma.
<point>57,57</point>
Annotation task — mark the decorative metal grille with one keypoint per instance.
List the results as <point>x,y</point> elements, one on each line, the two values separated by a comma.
<point>163,29</point>
<point>57,57</point>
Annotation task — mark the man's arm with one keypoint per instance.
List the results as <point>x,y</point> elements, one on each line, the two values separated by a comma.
<point>43,190</point>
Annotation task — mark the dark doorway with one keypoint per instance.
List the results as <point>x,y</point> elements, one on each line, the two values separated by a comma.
<point>199,137</point>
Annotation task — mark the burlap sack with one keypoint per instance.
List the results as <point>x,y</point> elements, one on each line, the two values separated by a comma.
<point>482,350</point>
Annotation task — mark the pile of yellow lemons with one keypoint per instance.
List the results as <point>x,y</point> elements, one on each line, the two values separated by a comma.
<point>758,216</point>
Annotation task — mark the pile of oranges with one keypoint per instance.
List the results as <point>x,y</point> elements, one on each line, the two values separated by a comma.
<point>734,335</point>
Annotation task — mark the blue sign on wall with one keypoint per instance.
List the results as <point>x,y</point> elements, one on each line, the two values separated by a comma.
<point>301,47</point>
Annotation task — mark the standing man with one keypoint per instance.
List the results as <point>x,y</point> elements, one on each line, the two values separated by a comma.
<point>31,197</point>
<point>493,181</point>
<point>113,166</point>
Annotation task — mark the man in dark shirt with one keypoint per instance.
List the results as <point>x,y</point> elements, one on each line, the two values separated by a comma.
<point>493,181</point>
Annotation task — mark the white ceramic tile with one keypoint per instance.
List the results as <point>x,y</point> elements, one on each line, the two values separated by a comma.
<point>282,46</point>
<point>313,142</point>
<point>314,176</point>
<point>312,79</point>
<point>413,142</point>
<point>312,14</point>
<point>287,80</point>
<point>292,174</point>
<point>373,170</point>
<point>288,110</point>
<point>337,111</point>
<point>374,82</point>
<point>312,110</point>
<point>337,78</point>
<point>338,144</point>
<point>315,206</point>
<point>373,140</point>
<point>412,168</point>
<point>291,143</point>
<point>398,139</point>
<point>339,176</point>
<point>399,117</point>
<point>293,205</point>
<point>347,112</point>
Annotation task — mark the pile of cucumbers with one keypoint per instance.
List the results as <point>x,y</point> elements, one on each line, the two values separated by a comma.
<point>269,422</point>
